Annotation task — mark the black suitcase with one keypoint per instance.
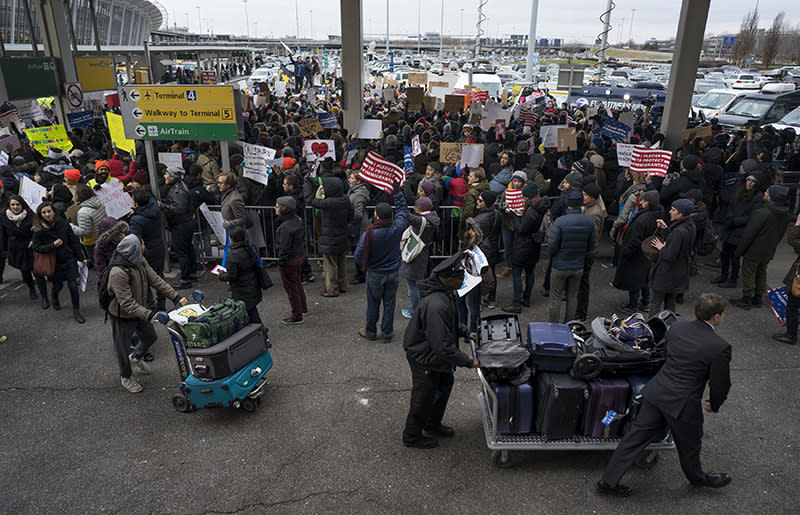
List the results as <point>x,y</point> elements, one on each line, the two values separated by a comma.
<point>559,404</point>
<point>499,327</point>
<point>229,355</point>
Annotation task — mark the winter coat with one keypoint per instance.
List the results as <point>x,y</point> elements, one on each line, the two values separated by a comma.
<point>670,274</point>
<point>242,274</point>
<point>210,170</point>
<point>290,237</point>
<point>130,289</point>
<point>688,180</point>
<point>633,269</point>
<point>110,231</point>
<point>500,181</point>
<point>793,239</point>
<point>145,222</point>
<point>67,254</point>
<point>431,338</point>
<point>336,214</point>
<point>90,213</point>
<point>198,193</point>
<point>571,239</point>
<point>177,204</point>
<point>741,205</point>
<point>384,251</point>
<point>526,250</point>
<point>359,199</point>
<point>491,223</point>
<point>470,201</point>
<point>419,268</point>
<point>233,210</point>
<point>763,232</point>
<point>15,239</point>
<point>597,212</point>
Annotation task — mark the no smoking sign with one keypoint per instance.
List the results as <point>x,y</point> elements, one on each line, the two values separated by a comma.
<point>74,95</point>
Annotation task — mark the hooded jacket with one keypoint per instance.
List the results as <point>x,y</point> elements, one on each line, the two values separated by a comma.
<point>242,274</point>
<point>525,249</point>
<point>146,223</point>
<point>336,213</point>
<point>670,274</point>
<point>290,234</point>
<point>90,213</point>
<point>763,232</point>
<point>431,338</point>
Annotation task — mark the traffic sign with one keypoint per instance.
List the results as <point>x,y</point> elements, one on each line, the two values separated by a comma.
<point>74,95</point>
<point>178,112</point>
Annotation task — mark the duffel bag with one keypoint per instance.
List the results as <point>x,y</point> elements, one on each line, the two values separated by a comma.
<point>219,322</point>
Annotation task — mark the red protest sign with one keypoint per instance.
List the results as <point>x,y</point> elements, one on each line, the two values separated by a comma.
<point>514,200</point>
<point>651,161</point>
<point>380,172</point>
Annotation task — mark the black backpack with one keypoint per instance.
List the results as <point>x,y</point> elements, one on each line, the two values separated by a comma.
<point>103,295</point>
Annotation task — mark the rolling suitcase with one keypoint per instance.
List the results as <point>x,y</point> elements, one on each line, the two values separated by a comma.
<point>637,383</point>
<point>605,409</point>
<point>229,355</point>
<point>225,392</point>
<point>514,408</point>
<point>553,346</point>
<point>499,327</point>
<point>559,402</point>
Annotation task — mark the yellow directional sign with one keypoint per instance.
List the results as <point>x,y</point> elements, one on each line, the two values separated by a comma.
<point>205,114</point>
<point>177,95</point>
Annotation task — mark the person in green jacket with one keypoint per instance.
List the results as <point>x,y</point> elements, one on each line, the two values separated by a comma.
<point>761,236</point>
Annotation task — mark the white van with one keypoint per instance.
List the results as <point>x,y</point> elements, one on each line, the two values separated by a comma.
<point>486,81</point>
<point>716,101</point>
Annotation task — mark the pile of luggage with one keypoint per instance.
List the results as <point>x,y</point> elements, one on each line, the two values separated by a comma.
<point>544,383</point>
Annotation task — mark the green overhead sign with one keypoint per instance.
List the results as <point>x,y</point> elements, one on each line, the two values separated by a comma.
<point>28,77</point>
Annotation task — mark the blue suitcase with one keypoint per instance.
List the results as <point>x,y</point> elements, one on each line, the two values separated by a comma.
<point>553,347</point>
<point>514,408</point>
<point>230,391</point>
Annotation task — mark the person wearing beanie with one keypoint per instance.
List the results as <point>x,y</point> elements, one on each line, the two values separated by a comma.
<point>594,208</point>
<point>762,234</point>
<point>518,181</point>
<point>670,274</point>
<point>689,162</point>
<point>579,167</point>
<point>433,175</point>
<point>633,269</point>
<point>691,177</point>
<point>571,239</point>
<point>288,163</point>
<point>290,243</point>
<point>129,281</point>
<point>419,268</point>
<point>502,176</point>
<point>101,174</point>
<point>145,222</point>
<point>596,143</point>
<point>379,253</point>
<point>744,199</point>
<point>72,175</point>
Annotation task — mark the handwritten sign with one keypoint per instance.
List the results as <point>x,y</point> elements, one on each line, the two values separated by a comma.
<point>116,201</point>
<point>438,84</point>
<point>624,154</point>
<point>549,135</point>
<point>42,138</point>
<point>567,139</point>
<point>451,152</point>
<point>10,119</point>
<point>319,149</point>
<point>309,126</point>
<point>117,131</point>
<point>453,103</point>
<point>31,192</point>
<point>171,159</point>
<point>698,132</point>
<point>255,162</point>
<point>472,155</point>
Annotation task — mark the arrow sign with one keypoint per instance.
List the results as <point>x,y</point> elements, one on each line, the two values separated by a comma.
<point>140,131</point>
<point>135,95</point>
<point>137,113</point>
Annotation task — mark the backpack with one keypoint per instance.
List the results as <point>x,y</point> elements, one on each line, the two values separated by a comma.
<point>544,228</point>
<point>708,242</point>
<point>103,295</point>
<point>411,243</point>
<point>264,280</point>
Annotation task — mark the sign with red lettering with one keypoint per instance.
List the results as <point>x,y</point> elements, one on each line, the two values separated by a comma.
<point>381,173</point>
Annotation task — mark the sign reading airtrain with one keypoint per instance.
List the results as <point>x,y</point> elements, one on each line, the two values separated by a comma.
<point>190,112</point>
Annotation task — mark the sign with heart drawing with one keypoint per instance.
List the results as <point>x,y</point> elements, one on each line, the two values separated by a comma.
<point>318,149</point>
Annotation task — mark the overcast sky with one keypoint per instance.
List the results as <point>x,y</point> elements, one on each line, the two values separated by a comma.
<point>573,20</point>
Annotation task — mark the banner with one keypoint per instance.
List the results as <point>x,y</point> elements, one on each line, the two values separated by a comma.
<point>480,96</point>
<point>32,192</point>
<point>549,134</point>
<point>116,201</point>
<point>117,131</point>
<point>528,117</point>
<point>778,297</point>
<point>319,149</point>
<point>381,173</point>
<point>500,129</point>
<point>653,162</point>
<point>42,138</point>
<point>615,130</point>
<point>624,153</point>
<point>328,120</point>
<point>255,162</point>
<point>514,200</point>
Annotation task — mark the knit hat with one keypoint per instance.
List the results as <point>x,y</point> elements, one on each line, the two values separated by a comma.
<point>531,190</point>
<point>288,163</point>
<point>100,164</point>
<point>423,204</point>
<point>489,197</point>
<point>73,175</point>
<point>684,206</point>
<point>751,177</point>
<point>428,187</point>
<point>689,162</point>
<point>597,141</point>
<point>519,174</point>
<point>383,210</point>
<point>593,190</point>
<point>176,171</point>
<point>579,166</point>
<point>749,165</point>
<point>574,179</point>
<point>574,198</point>
<point>778,193</point>
<point>651,196</point>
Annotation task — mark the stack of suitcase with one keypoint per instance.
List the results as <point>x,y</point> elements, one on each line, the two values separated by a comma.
<point>228,356</point>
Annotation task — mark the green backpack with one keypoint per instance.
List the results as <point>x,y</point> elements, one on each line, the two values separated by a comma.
<point>216,324</point>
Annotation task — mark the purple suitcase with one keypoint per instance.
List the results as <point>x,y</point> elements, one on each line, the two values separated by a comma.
<point>605,395</point>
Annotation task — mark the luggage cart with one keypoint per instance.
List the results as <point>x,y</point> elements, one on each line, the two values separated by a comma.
<point>500,443</point>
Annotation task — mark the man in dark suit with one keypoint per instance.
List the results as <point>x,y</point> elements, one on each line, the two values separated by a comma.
<point>695,356</point>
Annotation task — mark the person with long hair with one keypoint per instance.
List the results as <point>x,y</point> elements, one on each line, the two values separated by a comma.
<point>15,237</point>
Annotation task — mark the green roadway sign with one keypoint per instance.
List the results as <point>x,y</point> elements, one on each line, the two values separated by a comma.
<point>28,77</point>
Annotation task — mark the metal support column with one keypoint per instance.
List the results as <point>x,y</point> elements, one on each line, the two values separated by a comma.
<point>352,63</point>
<point>29,18</point>
<point>688,44</point>
<point>531,41</point>
<point>71,26</point>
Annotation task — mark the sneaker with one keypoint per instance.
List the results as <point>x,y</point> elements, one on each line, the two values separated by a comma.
<point>292,321</point>
<point>148,357</point>
<point>139,364</point>
<point>618,490</point>
<point>491,305</point>
<point>131,385</point>
<point>407,313</point>
<point>310,278</point>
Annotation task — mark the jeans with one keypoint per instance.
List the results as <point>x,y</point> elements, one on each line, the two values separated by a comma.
<point>122,330</point>
<point>430,391</point>
<point>471,301</point>
<point>290,276</point>
<point>73,292</point>
<point>633,297</point>
<point>561,280</point>
<point>182,244</point>
<point>660,297</point>
<point>508,244</point>
<point>584,287</point>
<point>516,275</point>
<point>381,287</point>
<point>413,295</point>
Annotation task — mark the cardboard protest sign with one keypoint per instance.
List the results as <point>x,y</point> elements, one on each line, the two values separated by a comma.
<point>567,139</point>
<point>319,149</point>
<point>389,95</point>
<point>31,192</point>
<point>369,129</point>
<point>430,104</point>
<point>698,132</point>
<point>255,162</point>
<point>438,84</point>
<point>309,126</point>
<point>624,153</point>
<point>390,82</point>
<point>549,135</point>
<point>115,199</point>
<point>9,143</point>
<point>42,138</point>
<point>414,96</point>
<point>454,103</point>
<point>171,159</point>
<point>117,131</point>
<point>392,117</point>
<point>472,155</point>
<point>452,152</point>
<point>627,118</point>
<point>418,78</point>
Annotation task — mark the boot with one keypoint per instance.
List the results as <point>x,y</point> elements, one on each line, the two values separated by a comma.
<point>513,308</point>
<point>78,317</point>
<point>32,292</point>
<point>45,302</point>
<point>719,279</point>
<point>56,304</point>
<point>746,302</point>
<point>758,301</point>
<point>526,301</point>
<point>730,283</point>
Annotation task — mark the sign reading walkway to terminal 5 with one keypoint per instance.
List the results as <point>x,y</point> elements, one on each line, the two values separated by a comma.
<point>191,112</point>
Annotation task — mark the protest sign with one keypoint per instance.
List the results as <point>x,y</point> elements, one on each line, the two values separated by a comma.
<point>328,120</point>
<point>418,78</point>
<point>255,162</point>
<point>452,152</point>
<point>474,263</point>
<point>439,92</point>
<point>615,130</point>
<point>309,126</point>
<point>438,84</point>
<point>117,131</point>
<point>653,162</point>
<point>698,132</point>
<point>479,95</point>
<point>472,155</point>
<point>627,118</point>
<point>171,159</point>
<point>31,192</point>
<point>414,96</point>
<point>115,199</point>
<point>369,129</point>
<point>430,104</point>
<point>778,298</point>
<point>3,158</point>
<point>80,119</point>
<point>549,134</point>
<point>9,143</point>
<point>494,111</point>
<point>380,172</point>
<point>514,200</point>
<point>389,95</point>
<point>453,103</point>
<point>416,149</point>
<point>30,114</point>
<point>319,149</point>
<point>624,152</point>
<point>11,120</point>
<point>567,139</point>
<point>214,219</point>
<point>42,138</point>
<point>500,129</point>
<point>280,89</point>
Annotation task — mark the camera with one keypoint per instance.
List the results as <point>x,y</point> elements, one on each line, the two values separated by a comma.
<point>649,101</point>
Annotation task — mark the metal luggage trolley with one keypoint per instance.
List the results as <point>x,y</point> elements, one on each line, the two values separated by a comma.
<point>501,443</point>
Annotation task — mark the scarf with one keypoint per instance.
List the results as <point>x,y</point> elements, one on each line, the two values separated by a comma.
<point>377,224</point>
<point>17,219</point>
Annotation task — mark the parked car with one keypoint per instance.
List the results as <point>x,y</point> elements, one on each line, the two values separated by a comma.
<point>746,81</point>
<point>716,101</point>
<point>791,121</point>
<point>760,108</point>
<point>437,68</point>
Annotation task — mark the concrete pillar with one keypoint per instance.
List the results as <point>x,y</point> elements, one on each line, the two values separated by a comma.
<point>352,63</point>
<point>688,43</point>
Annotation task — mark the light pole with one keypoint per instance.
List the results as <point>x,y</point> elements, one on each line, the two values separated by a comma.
<point>199,21</point>
<point>461,33</point>
<point>247,21</point>
<point>387,27</point>
<point>621,31</point>
<point>297,18</point>
<point>311,23</point>
<point>441,32</point>
<point>531,41</point>
<point>419,34</point>
<point>630,31</point>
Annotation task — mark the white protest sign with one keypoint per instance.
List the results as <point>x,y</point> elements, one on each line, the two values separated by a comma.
<point>116,201</point>
<point>319,149</point>
<point>279,89</point>
<point>494,111</point>
<point>416,148</point>
<point>624,154</point>
<point>214,219</point>
<point>171,159</point>
<point>440,92</point>
<point>549,135</point>
<point>474,262</point>
<point>31,192</point>
<point>3,158</point>
<point>369,129</point>
<point>83,276</point>
<point>255,162</point>
<point>471,155</point>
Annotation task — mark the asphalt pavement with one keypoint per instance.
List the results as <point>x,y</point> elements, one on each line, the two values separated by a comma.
<point>327,435</point>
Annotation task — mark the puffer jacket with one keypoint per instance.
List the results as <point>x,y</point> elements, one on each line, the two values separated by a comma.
<point>130,292</point>
<point>210,170</point>
<point>359,199</point>
<point>571,238</point>
<point>336,214</point>
<point>14,240</point>
<point>146,224</point>
<point>742,203</point>
<point>500,181</point>
<point>90,213</point>
<point>491,223</point>
<point>110,231</point>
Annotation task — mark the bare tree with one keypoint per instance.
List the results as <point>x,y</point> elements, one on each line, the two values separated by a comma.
<point>772,40</point>
<point>746,40</point>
